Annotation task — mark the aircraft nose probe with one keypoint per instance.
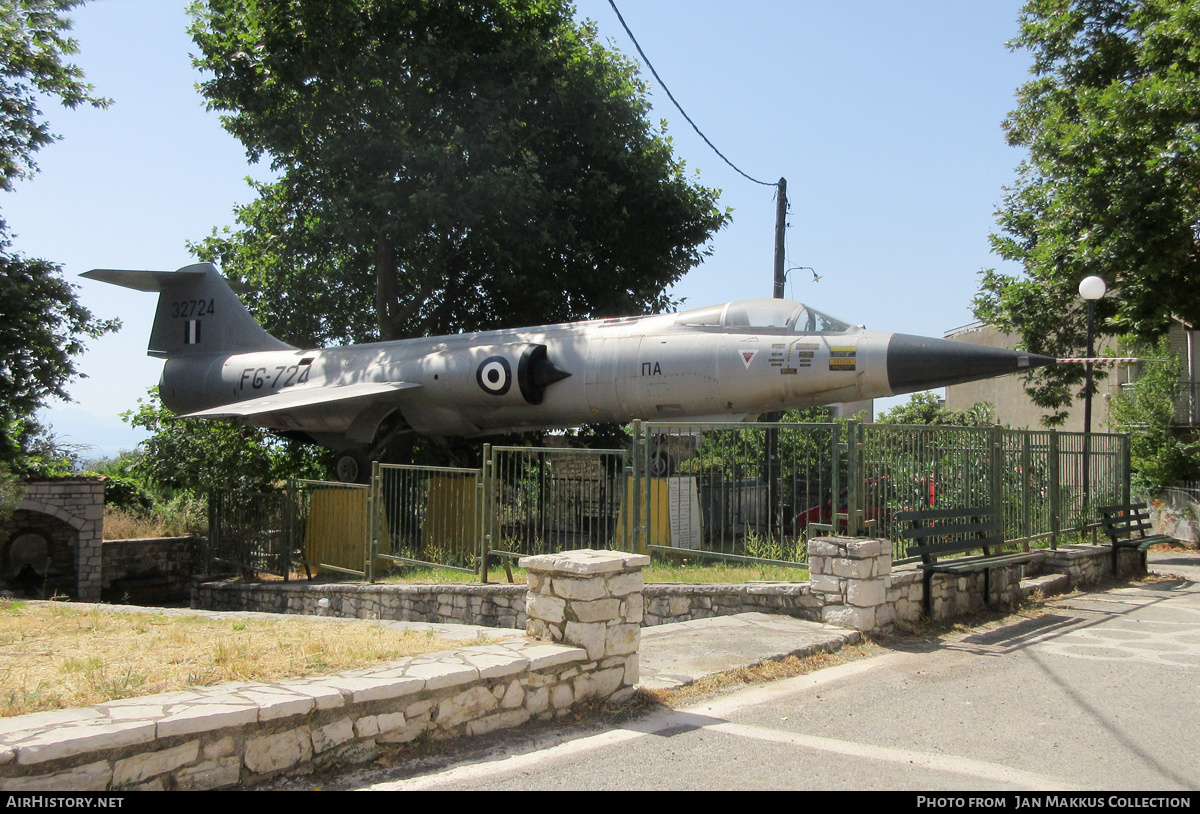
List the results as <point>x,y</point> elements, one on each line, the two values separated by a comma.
<point>921,362</point>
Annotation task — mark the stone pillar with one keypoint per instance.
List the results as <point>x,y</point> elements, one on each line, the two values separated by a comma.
<point>589,599</point>
<point>852,576</point>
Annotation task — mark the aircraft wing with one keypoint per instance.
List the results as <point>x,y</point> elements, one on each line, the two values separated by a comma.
<point>293,399</point>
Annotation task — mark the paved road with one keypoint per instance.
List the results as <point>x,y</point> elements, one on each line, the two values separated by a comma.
<point>1099,692</point>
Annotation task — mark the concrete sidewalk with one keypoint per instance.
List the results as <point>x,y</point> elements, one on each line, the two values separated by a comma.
<point>680,653</point>
<point>676,654</point>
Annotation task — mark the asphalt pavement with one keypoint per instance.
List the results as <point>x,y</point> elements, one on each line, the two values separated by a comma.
<point>1090,691</point>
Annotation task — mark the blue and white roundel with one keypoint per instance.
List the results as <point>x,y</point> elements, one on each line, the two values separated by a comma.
<point>494,375</point>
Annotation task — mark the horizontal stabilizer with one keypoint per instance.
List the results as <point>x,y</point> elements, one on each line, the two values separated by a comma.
<point>155,281</point>
<point>293,399</point>
<point>198,313</point>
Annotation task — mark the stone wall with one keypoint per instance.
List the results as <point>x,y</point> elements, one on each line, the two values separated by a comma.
<point>150,571</point>
<point>852,583</point>
<point>66,517</point>
<point>467,604</point>
<point>581,648</point>
<point>859,587</point>
<point>681,602</point>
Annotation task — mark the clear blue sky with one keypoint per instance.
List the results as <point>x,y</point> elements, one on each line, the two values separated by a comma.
<point>884,117</point>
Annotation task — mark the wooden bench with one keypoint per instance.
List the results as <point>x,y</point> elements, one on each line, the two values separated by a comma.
<point>937,536</point>
<point>1122,521</point>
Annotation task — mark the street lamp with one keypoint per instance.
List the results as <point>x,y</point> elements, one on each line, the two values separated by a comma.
<point>1091,289</point>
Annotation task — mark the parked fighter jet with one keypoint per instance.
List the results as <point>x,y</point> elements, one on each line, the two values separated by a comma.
<point>721,363</point>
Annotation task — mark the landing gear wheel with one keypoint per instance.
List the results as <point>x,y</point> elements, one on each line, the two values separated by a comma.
<point>352,467</point>
<point>660,462</point>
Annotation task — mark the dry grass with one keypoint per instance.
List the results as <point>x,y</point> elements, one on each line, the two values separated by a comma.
<point>120,524</point>
<point>762,673</point>
<point>56,655</point>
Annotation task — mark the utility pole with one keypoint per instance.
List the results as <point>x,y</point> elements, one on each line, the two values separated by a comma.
<point>780,234</point>
<point>776,522</point>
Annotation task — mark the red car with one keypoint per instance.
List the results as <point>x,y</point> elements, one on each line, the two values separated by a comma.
<point>872,512</point>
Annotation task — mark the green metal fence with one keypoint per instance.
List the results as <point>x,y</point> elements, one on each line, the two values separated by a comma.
<point>742,492</point>
<point>541,500</point>
<point>736,491</point>
<point>330,526</point>
<point>427,515</point>
<point>249,531</point>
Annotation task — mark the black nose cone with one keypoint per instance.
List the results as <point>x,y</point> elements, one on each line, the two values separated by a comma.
<point>921,362</point>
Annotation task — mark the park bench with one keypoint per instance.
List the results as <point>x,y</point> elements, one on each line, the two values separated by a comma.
<point>939,536</point>
<point>1121,521</point>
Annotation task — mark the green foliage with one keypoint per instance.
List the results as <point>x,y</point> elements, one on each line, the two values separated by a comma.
<point>442,167</point>
<point>193,456</point>
<point>1159,456</point>
<point>122,487</point>
<point>33,43</point>
<point>927,409</point>
<point>43,326</point>
<point>11,492</point>
<point>1111,185</point>
<point>42,331</point>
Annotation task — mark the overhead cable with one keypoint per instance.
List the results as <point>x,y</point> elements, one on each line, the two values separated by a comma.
<point>678,106</point>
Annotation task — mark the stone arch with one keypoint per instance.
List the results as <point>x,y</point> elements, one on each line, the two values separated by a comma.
<point>69,514</point>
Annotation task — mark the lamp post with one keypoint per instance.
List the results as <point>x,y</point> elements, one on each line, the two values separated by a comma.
<point>1090,289</point>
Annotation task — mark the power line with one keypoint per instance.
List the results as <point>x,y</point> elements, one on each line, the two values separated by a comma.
<point>678,106</point>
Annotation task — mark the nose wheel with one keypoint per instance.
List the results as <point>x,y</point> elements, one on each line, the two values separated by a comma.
<point>352,467</point>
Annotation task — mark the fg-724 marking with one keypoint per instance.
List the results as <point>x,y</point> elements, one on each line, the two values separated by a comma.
<point>257,377</point>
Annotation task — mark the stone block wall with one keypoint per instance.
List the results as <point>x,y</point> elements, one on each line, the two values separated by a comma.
<point>859,588</point>
<point>581,648</point>
<point>681,602</point>
<point>461,603</point>
<point>593,600</point>
<point>149,571</point>
<point>68,513</point>
<point>853,583</point>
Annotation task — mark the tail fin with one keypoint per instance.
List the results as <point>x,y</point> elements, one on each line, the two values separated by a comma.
<point>198,313</point>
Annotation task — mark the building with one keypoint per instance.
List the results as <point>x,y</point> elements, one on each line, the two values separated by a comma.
<point>1014,408</point>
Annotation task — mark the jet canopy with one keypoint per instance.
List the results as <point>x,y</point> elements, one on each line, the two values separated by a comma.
<point>766,315</point>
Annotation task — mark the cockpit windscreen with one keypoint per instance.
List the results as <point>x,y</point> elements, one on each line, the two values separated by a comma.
<point>766,315</point>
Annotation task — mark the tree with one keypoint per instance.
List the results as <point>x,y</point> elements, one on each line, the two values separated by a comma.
<point>42,331</point>
<point>1159,456</point>
<point>1111,185</point>
<point>195,456</point>
<point>42,325</point>
<point>457,166</point>
<point>927,409</point>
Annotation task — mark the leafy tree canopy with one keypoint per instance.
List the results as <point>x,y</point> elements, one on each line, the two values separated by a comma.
<point>1159,456</point>
<point>41,332</point>
<point>194,456</point>
<point>33,43</point>
<point>42,325</point>
<point>442,167</point>
<point>927,409</point>
<point>1111,185</point>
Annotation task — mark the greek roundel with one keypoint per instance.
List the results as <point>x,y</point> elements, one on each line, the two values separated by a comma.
<point>494,375</point>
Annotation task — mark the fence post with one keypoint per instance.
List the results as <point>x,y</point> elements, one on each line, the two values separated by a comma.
<point>854,485</point>
<point>638,493</point>
<point>374,522</point>
<point>1126,473</point>
<point>996,492</point>
<point>1026,473</point>
<point>1055,489</point>
<point>487,499</point>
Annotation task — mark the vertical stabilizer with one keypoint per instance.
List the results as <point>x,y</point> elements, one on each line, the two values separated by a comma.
<point>198,313</point>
